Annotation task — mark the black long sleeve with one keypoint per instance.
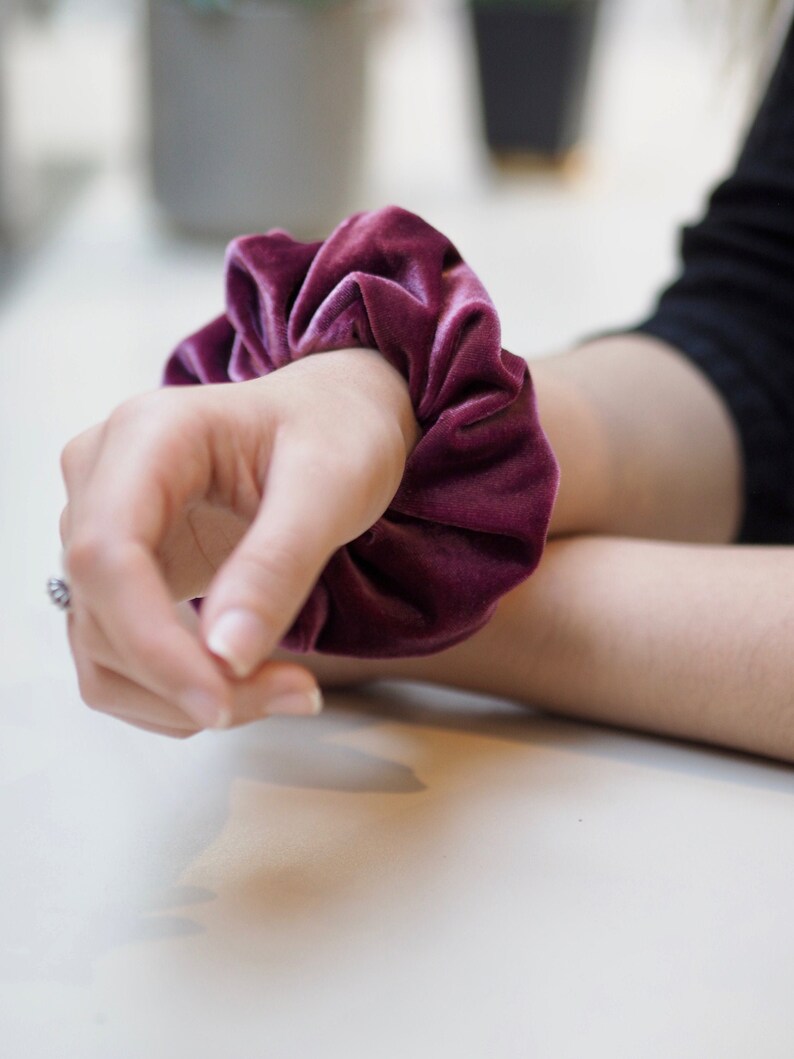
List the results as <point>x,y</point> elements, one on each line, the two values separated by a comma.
<point>731,309</point>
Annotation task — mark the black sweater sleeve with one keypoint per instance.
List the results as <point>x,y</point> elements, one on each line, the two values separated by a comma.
<point>731,309</point>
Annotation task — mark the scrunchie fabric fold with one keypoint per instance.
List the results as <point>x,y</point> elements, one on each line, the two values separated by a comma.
<point>469,520</point>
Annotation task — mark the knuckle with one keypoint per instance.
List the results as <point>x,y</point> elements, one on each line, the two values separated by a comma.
<point>128,410</point>
<point>125,420</point>
<point>92,553</point>
<point>127,415</point>
<point>69,459</point>
<point>84,555</point>
<point>92,687</point>
<point>158,421</point>
<point>146,647</point>
<point>76,453</point>
<point>158,407</point>
<point>63,525</point>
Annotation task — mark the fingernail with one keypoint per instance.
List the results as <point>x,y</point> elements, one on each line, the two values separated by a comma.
<point>239,638</point>
<point>297,703</point>
<point>205,710</point>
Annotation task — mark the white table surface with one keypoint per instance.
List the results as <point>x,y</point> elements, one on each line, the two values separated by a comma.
<point>414,873</point>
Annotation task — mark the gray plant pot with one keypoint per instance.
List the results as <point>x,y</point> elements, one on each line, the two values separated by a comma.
<point>257,114</point>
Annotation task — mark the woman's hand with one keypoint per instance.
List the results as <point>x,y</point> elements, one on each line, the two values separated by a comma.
<point>237,492</point>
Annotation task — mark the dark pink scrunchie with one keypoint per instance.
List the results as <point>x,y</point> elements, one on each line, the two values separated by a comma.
<point>469,520</point>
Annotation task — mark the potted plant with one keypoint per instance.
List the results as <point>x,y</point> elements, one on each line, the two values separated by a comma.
<point>256,112</point>
<point>533,58</point>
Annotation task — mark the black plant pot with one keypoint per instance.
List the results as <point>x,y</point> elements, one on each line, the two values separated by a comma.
<point>533,65</point>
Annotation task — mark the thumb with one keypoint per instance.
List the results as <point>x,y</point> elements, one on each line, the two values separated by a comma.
<point>259,590</point>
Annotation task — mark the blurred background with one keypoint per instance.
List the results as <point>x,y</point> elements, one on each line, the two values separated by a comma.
<point>194,119</point>
<point>560,144</point>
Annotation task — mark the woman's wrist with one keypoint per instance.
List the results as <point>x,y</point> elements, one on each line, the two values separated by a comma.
<point>447,528</point>
<point>375,380</point>
<point>679,640</point>
<point>389,388</point>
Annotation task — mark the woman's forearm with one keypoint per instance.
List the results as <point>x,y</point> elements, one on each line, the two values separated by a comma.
<point>690,641</point>
<point>687,639</point>
<point>645,444</point>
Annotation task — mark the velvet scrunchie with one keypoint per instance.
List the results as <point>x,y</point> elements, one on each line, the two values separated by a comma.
<point>469,520</point>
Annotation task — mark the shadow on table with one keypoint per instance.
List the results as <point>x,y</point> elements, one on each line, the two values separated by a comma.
<point>400,746</point>
<point>482,715</point>
<point>253,846</point>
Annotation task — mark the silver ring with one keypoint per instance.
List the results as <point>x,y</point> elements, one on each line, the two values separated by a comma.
<point>59,592</point>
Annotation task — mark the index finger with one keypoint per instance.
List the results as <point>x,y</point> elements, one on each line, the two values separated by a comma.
<point>137,484</point>
<point>125,595</point>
